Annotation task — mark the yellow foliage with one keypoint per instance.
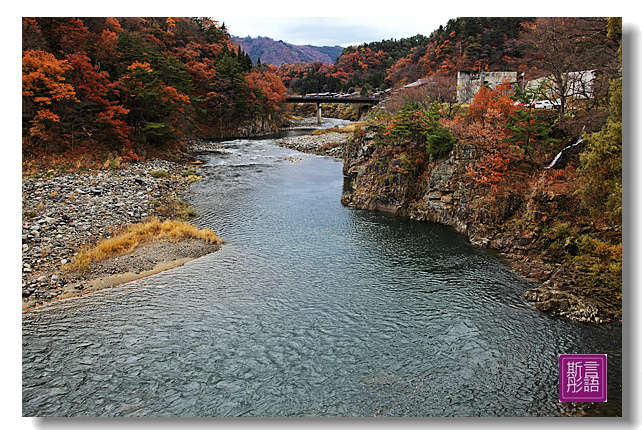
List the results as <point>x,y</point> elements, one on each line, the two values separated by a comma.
<point>139,234</point>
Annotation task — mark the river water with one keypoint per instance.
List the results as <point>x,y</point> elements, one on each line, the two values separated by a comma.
<point>309,309</point>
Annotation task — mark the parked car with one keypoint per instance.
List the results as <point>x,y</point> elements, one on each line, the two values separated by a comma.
<point>544,104</point>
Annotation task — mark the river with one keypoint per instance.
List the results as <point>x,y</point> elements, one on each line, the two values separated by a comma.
<point>309,309</point>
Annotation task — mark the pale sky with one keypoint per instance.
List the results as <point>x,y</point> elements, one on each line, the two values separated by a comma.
<point>331,31</point>
<point>333,22</point>
<point>326,22</point>
<point>351,22</point>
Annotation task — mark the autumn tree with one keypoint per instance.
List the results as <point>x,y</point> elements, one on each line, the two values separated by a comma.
<point>266,88</point>
<point>97,117</point>
<point>601,168</point>
<point>436,88</point>
<point>471,43</point>
<point>44,94</point>
<point>566,48</point>
<point>155,108</point>
<point>32,37</point>
<point>126,85</point>
<point>485,130</point>
<point>487,100</point>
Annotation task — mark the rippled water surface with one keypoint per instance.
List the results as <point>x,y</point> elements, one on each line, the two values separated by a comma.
<point>310,308</point>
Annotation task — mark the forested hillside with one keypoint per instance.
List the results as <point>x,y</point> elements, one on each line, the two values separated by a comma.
<point>464,44</point>
<point>128,86</point>
<point>473,44</point>
<point>358,67</point>
<point>263,50</point>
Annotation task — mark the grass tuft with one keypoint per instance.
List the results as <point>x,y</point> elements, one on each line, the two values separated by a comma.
<point>140,234</point>
<point>159,174</point>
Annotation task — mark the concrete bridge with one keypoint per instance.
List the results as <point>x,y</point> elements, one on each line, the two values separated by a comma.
<point>319,99</point>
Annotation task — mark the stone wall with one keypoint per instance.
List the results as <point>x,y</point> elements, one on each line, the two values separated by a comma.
<point>468,83</point>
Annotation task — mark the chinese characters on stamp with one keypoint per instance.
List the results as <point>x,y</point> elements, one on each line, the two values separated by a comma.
<point>582,377</point>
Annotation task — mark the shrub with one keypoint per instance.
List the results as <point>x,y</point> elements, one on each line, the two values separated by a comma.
<point>601,263</point>
<point>159,174</point>
<point>561,238</point>
<point>416,124</point>
<point>189,172</point>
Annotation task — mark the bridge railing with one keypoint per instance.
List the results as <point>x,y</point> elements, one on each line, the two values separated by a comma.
<point>331,99</point>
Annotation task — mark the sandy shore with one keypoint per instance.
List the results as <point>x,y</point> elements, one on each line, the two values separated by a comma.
<point>144,261</point>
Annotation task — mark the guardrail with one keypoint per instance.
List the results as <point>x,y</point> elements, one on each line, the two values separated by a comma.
<point>332,99</point>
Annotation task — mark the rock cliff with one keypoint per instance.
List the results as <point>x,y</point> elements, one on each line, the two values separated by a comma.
<point>394,180</point>
<point>437,194</point>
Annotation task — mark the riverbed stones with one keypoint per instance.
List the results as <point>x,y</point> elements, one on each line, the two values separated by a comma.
<point>64,212</point>
<point>330,143</point>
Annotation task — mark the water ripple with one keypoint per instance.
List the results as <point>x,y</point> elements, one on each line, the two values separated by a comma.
<point>309,309</point>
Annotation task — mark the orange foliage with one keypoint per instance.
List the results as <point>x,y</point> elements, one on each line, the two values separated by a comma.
<point>106,44</point>
<point>75,36</point>
<point>47,114</point>
<point>113,24</point>
<point>485,129</point>
<point>144,66</point>
<point>42,78</point>
<point>497,99</point>
<point>127,84</point>
<point>105,116</point>
<point>43,88</point>
<point>174,97</point>
<point>360,60</point>
<point>266,86</point>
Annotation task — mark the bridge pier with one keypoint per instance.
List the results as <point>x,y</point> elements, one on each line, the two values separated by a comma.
<point>319,99</point>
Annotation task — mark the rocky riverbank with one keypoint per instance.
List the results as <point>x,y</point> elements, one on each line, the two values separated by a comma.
<point>329,143</point>
<point>62,213</point>
<point>384,180</point>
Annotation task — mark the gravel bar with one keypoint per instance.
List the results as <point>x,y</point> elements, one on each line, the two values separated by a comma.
<point>62,213</point>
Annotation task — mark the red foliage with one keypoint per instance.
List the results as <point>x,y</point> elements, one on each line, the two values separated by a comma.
<point>487,100</point>
<point>266,88</point>
<point>99,114</point>
<point>485,130</point>
<point>43,90</point>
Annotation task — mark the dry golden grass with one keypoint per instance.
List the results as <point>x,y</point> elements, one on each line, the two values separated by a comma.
<point>142,233</point>
<point>330,145</point>
<point>350,128</point>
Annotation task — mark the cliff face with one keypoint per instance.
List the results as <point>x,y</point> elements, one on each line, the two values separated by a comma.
<point>260,125</point>
<point>438,194</point>
<point>440,191</point>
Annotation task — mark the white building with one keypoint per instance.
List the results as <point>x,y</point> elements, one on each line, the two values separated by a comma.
<point>578,85</point>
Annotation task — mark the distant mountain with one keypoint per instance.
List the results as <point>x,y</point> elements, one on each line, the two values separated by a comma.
<point>275,52</point>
